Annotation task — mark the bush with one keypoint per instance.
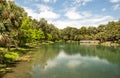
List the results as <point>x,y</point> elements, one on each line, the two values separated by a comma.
<point>10,57</point>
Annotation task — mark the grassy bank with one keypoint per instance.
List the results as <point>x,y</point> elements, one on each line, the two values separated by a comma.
<point>10,58</point>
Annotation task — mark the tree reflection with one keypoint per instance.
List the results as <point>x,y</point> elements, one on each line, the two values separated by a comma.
<point>112,54</point>
<point>49,52</point>
<point>45,53</point>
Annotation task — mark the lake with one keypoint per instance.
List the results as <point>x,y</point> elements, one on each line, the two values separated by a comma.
<point>71,60</point>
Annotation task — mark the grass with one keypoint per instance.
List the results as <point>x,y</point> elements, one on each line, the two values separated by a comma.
<point>21,51</point>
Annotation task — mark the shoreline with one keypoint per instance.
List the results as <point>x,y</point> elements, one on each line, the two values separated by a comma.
<point>103,44</point>
<point>23,64</point>
<point>26,56</point>
<point>95,42</point>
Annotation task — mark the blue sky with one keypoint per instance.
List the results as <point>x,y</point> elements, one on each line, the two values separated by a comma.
<point>75,13</point>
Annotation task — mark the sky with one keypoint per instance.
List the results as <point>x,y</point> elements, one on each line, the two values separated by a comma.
<point>74,13</point>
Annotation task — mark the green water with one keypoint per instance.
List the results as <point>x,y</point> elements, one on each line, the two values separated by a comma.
<point>72,60</point>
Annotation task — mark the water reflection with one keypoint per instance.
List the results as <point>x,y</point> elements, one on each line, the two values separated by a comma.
<point>76,61</point>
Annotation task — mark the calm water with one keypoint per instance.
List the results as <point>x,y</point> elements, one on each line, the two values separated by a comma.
<point>72,60</point>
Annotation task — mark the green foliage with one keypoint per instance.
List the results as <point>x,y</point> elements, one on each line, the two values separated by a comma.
<point>108,32</point>
<point>10,21</point>
<point>49,37</point>
<point>69,33</point>
<point>17,28</point>
<point>101,36</point>
<point>44,26</point>
<point>22,29</point>
<point>39,35</point>
<point>28,33</point>
<point>50,32</point>
<point>10,57</point>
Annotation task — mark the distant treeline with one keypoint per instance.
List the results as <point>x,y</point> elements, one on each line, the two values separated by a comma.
<point>16,27</point>
<point>103,33</point>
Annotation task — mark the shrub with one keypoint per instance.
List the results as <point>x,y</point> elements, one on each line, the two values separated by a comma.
<point>10,57</point>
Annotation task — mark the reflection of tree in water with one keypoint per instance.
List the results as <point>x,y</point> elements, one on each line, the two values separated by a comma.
<point>64,61</point>
<point>45,53</point>
<point>49,52</point>
<point>112,54</point>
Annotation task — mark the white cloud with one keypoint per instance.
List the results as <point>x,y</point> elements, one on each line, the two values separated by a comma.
<point>75,3</point>
<point>86,14</point>
<point>104,9</point>
<point>114,1</point>
<point>86,1</point>
<point>75,18</point>
<point>47,14</point>
<point>73,14</point>
<point>84,18</point>
<point>44,7</point>
<point>81,2</point>
<point>50,1</point>
<point>31,13</point>
<point>78,18</point>
<point>116,7</point>
<point>93,21</point>
<point>46,0</point>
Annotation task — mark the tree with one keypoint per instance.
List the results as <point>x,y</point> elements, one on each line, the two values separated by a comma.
<point>55,32</point>
<point>43,25</point>
<point>28,32</point>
